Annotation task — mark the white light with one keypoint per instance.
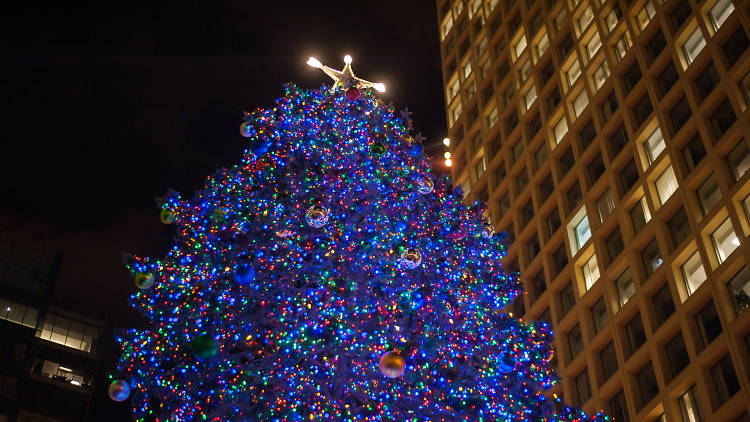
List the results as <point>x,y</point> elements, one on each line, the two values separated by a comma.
<point>447,154</point>
<point>8,309</point>
<point>74,382</point>
<point>312,61</point>
<point>735,241</point>
<point>379,86</point>
<point>448,162</point>
<point>62,368</point>
<point>347,59</point>
<point>447,142</point>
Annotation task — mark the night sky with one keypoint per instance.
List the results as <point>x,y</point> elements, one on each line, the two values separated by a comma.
<point>105,108</point>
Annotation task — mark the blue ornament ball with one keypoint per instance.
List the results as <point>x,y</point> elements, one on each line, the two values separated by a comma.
<point>119,390</point>
<point>507,364</point>
<point>260,147</point>
<point>244,274</point>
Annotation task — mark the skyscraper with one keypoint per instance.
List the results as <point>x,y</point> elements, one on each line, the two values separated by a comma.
<point>610,139</point>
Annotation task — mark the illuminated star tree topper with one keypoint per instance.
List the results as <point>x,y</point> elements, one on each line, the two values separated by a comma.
<point>341,77</point>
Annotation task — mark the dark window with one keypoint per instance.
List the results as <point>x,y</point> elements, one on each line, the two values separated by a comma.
<point>566,162</point>
<point>547,188</point>
<point>519,307</point>
<point>679,227</point>
<point>487,93</point>
<point>545,316</point>
<point>511,122</point>
<point>567,300</point>
<point>632,76</point>
<point>502,71</point>
<point>636,334</point>
<point>651,257</point>
<point>708,194</point>
<point>553,222</point>
<point>739,160</point>
<point>566,45</point>
<point>680,14</point>
<point>736,288</point>
<point>608,359</point>
<point>677,355</point>
<point>642,109</point>
<point>735,46</point>
<point>656,45</point>
<point>534,126</point>
<point>510,236</point>
<point>629,176</point>
<point>508,94</point>
<point>599,315</point>
<point>575,342</point>
<point>513,267</point>
<point>538,285</point>
<point>540,156</point>
<point>663,304</point>
<point>504,205</point>
<point>693,152</point>
<point>638,216</point>
<point>532,247</point>
<point>522,180</point>
<point>618,408</point>
<point>707,80</point>
<point>548,71</point>
<point>583,387</point>
<point>647,384</point>
<point>451,67</point>
<point>595,168</point>
<point>553,100</point>
<point>667,78</point>
<point>574,196</point>
<point>680,114</point>
<point>560,258</point>
<point>709,325</point>
<point>527,213</point>
<point>725,379</point>
<point>618,139</point>
<point>588,133</point>
<point>722,119</point>
<point>614,244</point>
<point>609,106</point>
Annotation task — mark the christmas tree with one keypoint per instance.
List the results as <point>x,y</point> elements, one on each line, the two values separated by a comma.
<point>331,276</point>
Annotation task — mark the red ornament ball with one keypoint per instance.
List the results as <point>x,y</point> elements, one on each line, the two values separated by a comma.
<point>352,94</point>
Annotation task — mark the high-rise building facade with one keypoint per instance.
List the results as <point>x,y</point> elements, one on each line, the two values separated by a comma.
<point>611,141</point>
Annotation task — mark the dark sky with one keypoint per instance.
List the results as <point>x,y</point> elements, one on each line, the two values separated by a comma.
<point>106,107</point>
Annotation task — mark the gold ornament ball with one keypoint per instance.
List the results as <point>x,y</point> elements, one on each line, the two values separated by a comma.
<point>144,280</point>
<point>392,365</point>
<point>167,216</point>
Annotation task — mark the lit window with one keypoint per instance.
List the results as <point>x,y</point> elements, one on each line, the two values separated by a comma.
<point>481,167</point>
<point>482,46</point>
<point>471,89</point>
<point>593,46</point>
<point>453,91</point>
<point>18,313</point>
<point>720,12</point>
<point>61,330</point>
<point>739,160</point>
<point>580,103</point>
<point>590,272</point>
<point>492,118</point>
<point>693,273</point>
<point>486,68</point>
<point>475,7</point>
<point>621,46</point>
<point>560,18</point>
<point>520,46</point>
<point>625,288</point>
<point>582,232</point>
<point>693,45</point>
<point>739,290</point>
<point>457,112</point>
<point>689,407</point>
<point>447,25</point>
<point>613,19</point>
<point>467,70</point>
<point>585,19</point>
<point>492,4</point>
<point>543,45</point>
<point>530,97</point>
<point>654,145</point>
<point>725,240</point>
<point>459,7</point>
<point>525,70</point>
<point>709,194</point>
<point>645,15</point>
<point>573,72</point>
<point>561,128</point>
<point>601,74</point>
<point>606,205</point>
<point>666,184</point>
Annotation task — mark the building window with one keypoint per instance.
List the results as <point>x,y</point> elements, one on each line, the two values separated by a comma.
<point>583,387</point>
<point>739,160</point>
<point>567,299</point>
<point>599,315</point>
<point>693,45</point>
<point>481,167</point>
<point>709,194</point>
<point>520,46</point>
<point>601,74</point>
<point>693,273</point>
<point>720,12</point>
<point>573,72</point>
<point>647,384</point>
<point>482,46</point>
<point>628,175</point>
<point>453,90</point>
<point>580,103</point>
<point>582,232</point>
<point>593,45</point>
<point>640,215</point>
<point>525,70</point>
<point>709,325</point>
<point>663,304</point>
<point>608,359</point>
<point>574,196</point>
<point>590,272</point>
<point>18,313</point>
<point>614,244</point>
<point>679,227</point>
<point>666,184</point>
<point>542,46</point>
<point>645,15</point>
<point>635,333</point>
<point>693,152</point>
<point>613,18</point>
<point>530,97</point>
<point>689,406</point>
<point>725,379</point>
<point>621,46</point>
<point>457,112</point>
<point>467,70</point>
<point>625,287</point>
<point>553,222</point>
<point>654,145</point>
<point>725,240</point>
<point>65,331</point>
<point>561,128</point>
<point>651,257</point>
<point>722,119</point>
<point>492,118</point>
<point>677,355</point>
<point>447,25</point>
<point>606,205</point>
<point>618,407</point>
<point>739,290</point>
<point>560,18</point>
<point>575,342</point>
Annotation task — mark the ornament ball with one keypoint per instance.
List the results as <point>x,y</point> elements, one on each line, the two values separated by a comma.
<point>392,365</point>
<point>119,390</point>
<point>352,94</point>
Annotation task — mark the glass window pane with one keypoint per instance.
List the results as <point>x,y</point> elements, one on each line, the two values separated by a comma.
<point>709,194</point>
<point>590,272</point>
<point>601,74</point>
<point>593,46</point>
<point>693,273</point>
<point>720,12</point>
<point>561,128</point>
<point>739,160</point>
<point>654,145</point>
<point>625,287</point>
<point>585,19</point>
<point>580,103</point>
<point>739,290</point>
<point>31,317</point>
<point>582,231</point>
<point>725,240</point>
<point>606,205</point>
<point>666,184</point>
<point>693,45</point>
<point>530,97</point>
<point>520,46</point>
<point>75,335</point>
<point>541,48</point>
<point>689,407</point>
<point>573,72</point>
<point>60,330</point>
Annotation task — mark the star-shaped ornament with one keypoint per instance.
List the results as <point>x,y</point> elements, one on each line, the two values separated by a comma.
<point>341,77</point>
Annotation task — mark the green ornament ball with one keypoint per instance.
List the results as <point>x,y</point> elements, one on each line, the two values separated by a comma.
<point>204,347</point>
<point>377,149</point>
